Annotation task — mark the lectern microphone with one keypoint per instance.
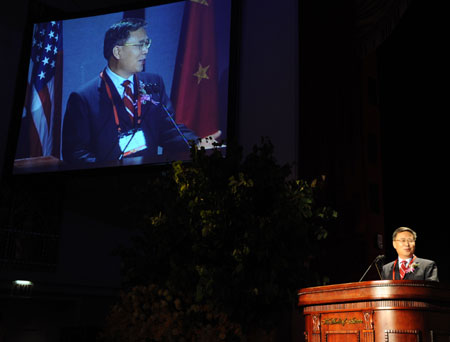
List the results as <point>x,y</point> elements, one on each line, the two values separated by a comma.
<point>375,261</point>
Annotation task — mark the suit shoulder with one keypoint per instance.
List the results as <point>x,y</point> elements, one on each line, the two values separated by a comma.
<point>390,264</point>
<point>424,261</point>
<point>149,77</point>
<point>89,87</point>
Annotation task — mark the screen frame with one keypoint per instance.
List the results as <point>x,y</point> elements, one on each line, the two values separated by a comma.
<point>40,12</point>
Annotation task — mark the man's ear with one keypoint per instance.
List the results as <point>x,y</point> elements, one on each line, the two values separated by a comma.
<point>116,52</point>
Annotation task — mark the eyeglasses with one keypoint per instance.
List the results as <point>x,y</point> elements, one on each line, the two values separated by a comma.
<point>144,45</point>
<point>404,241</point>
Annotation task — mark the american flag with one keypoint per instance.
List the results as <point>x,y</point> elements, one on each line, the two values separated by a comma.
<point>44,92</point>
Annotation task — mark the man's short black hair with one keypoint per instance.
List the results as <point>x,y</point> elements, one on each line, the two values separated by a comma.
<point>404,229</point>
<point>119,32</point>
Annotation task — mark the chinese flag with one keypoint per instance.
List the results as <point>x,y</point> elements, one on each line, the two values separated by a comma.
<point>195,85</point>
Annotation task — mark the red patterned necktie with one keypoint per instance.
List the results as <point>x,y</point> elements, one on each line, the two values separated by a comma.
<point>128,99</point>
<point>403,269</point>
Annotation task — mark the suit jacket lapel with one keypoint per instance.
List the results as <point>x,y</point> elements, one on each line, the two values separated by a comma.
<point>397,271</point>
<point>412,275</point>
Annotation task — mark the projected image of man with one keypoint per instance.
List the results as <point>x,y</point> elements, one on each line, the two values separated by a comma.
<point>124,112</point>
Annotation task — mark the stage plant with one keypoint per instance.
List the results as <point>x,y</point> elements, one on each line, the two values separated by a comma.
<point>221,245</point>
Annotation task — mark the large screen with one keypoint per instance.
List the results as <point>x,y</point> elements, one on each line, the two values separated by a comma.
<point>130,87</point>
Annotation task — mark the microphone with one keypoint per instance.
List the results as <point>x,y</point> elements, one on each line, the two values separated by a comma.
<point>154,90</point>
<point>125,148</point>
<point>375,261</point>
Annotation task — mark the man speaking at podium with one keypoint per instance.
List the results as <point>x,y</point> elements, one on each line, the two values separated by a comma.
<point>124,112</point>
<point>408,266</point>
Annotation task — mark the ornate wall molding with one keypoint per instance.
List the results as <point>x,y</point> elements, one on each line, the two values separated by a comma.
<point>391,304</point>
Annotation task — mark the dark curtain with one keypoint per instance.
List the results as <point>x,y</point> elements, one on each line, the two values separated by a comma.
<point>374,21</point>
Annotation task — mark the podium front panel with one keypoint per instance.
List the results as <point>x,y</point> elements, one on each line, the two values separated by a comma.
<point>377,311</point>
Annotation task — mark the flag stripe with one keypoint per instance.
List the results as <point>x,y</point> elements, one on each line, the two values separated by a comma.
<point>40,121</point>
<point>43,105</point>
<point>46,103</point>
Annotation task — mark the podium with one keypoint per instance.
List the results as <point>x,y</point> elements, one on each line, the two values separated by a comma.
<point>381,311</point>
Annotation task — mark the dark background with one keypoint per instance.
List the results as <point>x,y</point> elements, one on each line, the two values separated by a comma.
<point>320,130</point>
<point>302,55</point>
<point>413,73</point>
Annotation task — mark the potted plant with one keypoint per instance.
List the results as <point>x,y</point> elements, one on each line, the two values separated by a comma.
<point>232,234</point>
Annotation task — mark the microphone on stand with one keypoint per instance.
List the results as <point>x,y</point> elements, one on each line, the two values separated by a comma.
<point>154,90</point>
<point>375,261</point>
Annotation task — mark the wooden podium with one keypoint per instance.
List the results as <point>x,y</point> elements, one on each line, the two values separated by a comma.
<point>381,311</point>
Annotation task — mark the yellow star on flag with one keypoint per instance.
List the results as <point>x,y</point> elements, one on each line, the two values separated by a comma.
<point>201,73</point>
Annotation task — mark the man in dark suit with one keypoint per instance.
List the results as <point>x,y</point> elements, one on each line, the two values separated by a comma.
<point>408,266</point>
<point>124,112</point>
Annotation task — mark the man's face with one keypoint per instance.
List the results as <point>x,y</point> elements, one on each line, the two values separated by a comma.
<point>404,244</point>
<point>132,57</point>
